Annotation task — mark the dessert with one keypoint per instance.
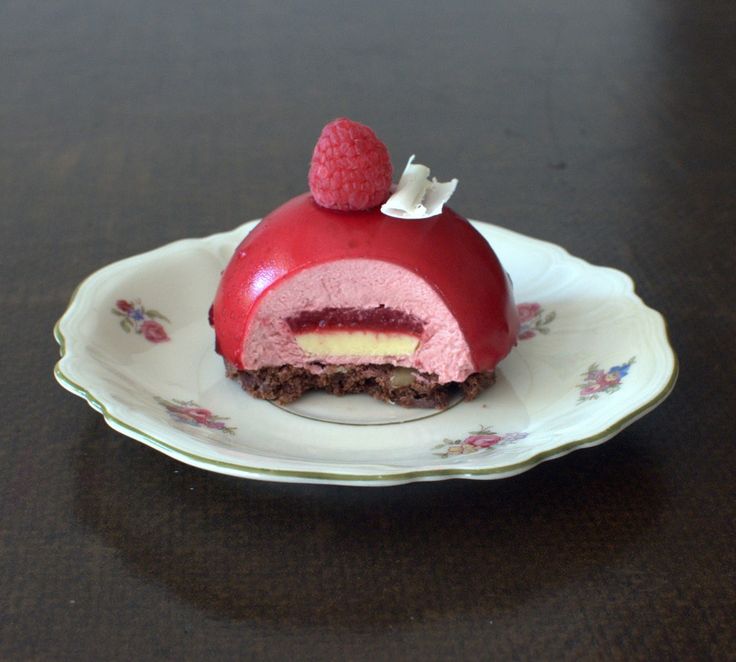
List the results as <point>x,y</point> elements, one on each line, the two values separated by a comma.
<point>331,292</point>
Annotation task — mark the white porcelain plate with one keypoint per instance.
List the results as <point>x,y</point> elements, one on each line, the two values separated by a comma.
<point>591,359</point>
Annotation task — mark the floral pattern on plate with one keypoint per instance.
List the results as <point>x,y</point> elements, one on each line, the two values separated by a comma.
<point>597,381</point>
<point>536,392</point>
<point>140,320</point>
<point>482,440</point>
<point>190,413</point>
<point>533,320</point>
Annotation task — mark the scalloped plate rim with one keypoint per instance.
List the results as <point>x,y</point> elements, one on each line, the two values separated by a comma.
<point>390,477</point>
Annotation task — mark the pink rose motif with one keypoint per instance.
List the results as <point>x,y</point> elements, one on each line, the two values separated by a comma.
<point>528,311</point>
<point>154,332</point>
<point>189,412</point>
<point>601,381</point>
<point>533,321</point>
<point>123,305</point>
<point>482,440</point>
<point>592,388</point>
<point>198,415</point>
<point>479,441</point>
<point>604,381</point>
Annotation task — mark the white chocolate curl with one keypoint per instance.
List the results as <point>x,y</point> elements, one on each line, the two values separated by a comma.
<point>416,196</point>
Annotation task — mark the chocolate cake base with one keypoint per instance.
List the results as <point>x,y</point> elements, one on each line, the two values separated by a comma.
<point>401,386</point>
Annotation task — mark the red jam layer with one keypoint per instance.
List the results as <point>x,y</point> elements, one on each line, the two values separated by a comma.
<point>378,320</point>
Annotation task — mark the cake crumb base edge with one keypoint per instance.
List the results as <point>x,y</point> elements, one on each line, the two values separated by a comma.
<point>401,386</point>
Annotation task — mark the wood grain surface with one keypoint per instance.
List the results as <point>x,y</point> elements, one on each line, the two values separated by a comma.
<point>606,127</point>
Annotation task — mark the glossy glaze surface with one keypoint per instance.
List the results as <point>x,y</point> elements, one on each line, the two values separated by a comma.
<point>446,251</point>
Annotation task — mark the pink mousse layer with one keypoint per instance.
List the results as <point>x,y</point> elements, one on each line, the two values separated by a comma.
<point>358,283</point>
<point>444,252</point>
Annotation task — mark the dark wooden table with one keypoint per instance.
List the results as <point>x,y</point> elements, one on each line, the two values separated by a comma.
<point>606,127</point>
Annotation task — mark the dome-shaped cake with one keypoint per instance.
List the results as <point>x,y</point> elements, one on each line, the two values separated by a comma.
<point>358,301</point>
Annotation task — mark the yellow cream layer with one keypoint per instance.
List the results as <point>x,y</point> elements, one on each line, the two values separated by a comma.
<point>357,343</point>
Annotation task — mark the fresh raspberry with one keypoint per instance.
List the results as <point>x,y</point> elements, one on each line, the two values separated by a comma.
<point>351,169</point>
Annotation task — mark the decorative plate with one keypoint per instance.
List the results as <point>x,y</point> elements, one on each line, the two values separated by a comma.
<point>591,359</point>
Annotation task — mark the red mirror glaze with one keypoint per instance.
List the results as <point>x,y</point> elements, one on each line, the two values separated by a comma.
<point>445,250</point>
